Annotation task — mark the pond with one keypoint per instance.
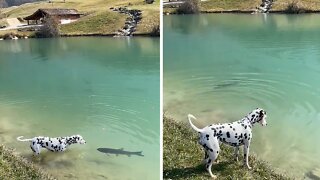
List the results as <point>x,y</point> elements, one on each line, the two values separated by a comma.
<point>219,67</point>
<point>105,89</point>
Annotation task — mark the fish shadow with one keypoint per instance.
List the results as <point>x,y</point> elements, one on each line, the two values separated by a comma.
<point>121,151</point>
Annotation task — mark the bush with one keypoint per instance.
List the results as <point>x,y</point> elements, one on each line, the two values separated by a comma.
<point>155,31</point>
<point>294,8</point>
<point>189,7</point>
<point>49,29</point>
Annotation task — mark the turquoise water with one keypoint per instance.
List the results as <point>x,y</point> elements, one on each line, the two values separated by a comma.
<point>221,66</point>
<point>106,89</point>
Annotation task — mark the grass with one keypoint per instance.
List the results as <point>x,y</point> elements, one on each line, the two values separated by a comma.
<point>103,24</point>
<point>182,157</point>
<point>14,167</point>
<point>250,5</point>
<point>98,18</point>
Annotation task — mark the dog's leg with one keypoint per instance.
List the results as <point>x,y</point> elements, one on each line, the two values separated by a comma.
<point>236,152</point>
<point>37,149</point>
<point>246,154</point>
<point>212,150</point>
<point>206,157</point>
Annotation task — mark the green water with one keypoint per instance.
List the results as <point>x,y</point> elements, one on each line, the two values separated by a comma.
<point>106,89</point>
<point>221,66</point>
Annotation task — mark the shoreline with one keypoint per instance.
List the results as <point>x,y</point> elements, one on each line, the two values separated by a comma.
<point>236,11</point>
<point>22,36</point>
<point>13,166</point>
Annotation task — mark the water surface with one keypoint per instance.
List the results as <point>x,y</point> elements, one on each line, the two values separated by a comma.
<point>221,66</point>
<point>106,89</point>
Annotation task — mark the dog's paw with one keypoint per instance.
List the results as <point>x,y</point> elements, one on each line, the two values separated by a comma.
<point>214,177</point>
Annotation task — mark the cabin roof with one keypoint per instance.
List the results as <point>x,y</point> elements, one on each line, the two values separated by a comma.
<point>51,12</point>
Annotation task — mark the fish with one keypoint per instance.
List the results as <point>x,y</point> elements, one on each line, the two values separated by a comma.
<point>119,152</point>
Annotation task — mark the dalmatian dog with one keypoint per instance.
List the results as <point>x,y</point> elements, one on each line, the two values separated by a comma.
<point>234,134</point>
<point>58,144</point>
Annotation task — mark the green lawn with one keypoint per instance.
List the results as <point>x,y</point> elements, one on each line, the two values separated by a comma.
<point>14,167</point>
<point>182,157</point>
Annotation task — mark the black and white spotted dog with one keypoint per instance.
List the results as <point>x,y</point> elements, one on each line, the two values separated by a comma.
<point>235,134</point>
<point>57,144</point>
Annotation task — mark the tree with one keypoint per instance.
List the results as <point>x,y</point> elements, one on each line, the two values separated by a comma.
<point>50,28</point>
<point>189,7</point>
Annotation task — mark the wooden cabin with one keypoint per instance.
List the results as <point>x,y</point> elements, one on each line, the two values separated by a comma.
<point>63,16</point>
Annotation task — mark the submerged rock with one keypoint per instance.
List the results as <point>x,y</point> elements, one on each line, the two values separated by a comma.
<point>314,174</point>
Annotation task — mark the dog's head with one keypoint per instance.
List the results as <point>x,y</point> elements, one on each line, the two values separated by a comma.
<point>258,115</point>
<point>77,139</point>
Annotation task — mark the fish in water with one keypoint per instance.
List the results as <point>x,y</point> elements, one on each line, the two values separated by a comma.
<point>119,152</point>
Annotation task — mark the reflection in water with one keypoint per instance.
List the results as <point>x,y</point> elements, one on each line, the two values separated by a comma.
<point>106,89</point>
<point>246,61</point>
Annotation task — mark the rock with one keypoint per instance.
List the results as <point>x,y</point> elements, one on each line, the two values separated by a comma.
<point>131,22</point>
<point>314,174</point>
<point>149,1</point>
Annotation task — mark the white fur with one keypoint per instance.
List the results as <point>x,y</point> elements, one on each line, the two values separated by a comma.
<point>57,144</point>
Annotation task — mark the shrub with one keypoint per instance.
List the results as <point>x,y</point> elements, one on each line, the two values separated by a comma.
<point>294,8</point>
<point>189,7</point>
<point>155,31</point>
<point>50,28</point>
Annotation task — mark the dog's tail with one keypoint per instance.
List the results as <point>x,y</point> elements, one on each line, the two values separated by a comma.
<point>19,139</point>
<point>190,116</point>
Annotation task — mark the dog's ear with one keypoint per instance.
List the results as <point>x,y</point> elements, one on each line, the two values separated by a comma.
<point>261,114</point>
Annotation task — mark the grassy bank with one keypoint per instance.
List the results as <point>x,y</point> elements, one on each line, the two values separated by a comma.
<point>98,19</point>
<point>182,157</point>
<point>250,5</point>
<point>15,167</point>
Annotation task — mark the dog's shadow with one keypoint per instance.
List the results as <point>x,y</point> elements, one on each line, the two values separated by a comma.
<point>194,171</point>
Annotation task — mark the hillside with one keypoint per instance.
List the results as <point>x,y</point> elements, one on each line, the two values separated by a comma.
<point>9,3</point>
<point>98,19</point>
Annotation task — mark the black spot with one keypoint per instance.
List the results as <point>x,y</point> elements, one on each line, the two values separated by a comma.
<point>231,127</point>
<point>217,152</point>
<point>234,129</point>
<point>245,126</point>
<point>47,144</point>
<point>228,135</point>
<point>209,161</point>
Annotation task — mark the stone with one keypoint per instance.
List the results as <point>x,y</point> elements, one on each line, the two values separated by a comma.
<point>149,1</point>
<point>314,174</point>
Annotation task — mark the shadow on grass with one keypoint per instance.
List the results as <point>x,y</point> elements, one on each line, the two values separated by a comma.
<point>200,169</point>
